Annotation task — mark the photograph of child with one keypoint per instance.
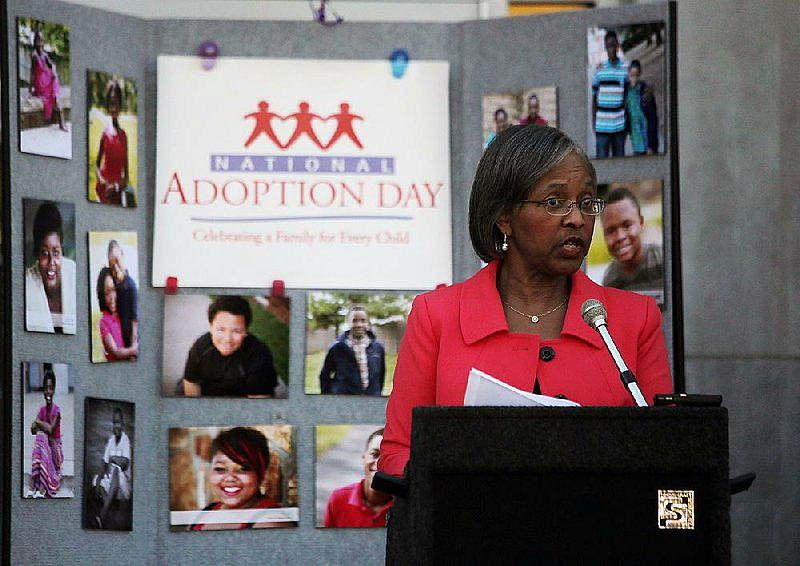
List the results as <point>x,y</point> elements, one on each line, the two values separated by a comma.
<point>44,88</point>
<point>108,464</point>
<point>352,341</point>
<point>48,432</point>
<point>49,255</point>
<point>229,478</point>
<point>627,247</point>
<point>626,78</point>
<point>226,346</point>
<point>114,296</point>
<point>535,105</point>
<point>112,137</point>
<point>347,459</point>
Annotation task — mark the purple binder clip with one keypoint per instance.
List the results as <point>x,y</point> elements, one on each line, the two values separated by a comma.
<point>208,53</point>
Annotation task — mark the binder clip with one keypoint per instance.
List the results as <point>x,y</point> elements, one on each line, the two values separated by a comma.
<point>208,53</point>
<point>278,288</point>
<point>399,60</point>
<point>171,286</point>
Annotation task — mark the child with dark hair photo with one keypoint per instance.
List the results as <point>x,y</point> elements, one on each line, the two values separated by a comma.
<point>501,123</point>
<point>626,78</point>
<point>112,131</point>
<point>352,339</point>
<point>48,454</point>
<point>44,88</point>
<point>642,112</point>
<point>627,252</point>
<point>367,375</point>
<point>347,460</point>
<point>108,464</point>
<point>48,439</point>
<point>50,257</point>
<point>44,81</point>
<point>110,324</point>
<point>241,477</point>
<point>113,257</point>
<point>226,360</point>
<point>533,105</point>
<point>242,349</point>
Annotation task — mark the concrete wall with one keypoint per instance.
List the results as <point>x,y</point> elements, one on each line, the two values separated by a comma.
<point>739,153</point>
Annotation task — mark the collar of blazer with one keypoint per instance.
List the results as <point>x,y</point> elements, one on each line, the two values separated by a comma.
<point>481,312</point>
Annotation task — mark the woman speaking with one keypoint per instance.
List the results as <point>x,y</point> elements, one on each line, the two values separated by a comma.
<point>531,217</point>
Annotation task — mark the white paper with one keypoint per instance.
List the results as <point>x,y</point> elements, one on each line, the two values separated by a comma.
<point>485,390</point>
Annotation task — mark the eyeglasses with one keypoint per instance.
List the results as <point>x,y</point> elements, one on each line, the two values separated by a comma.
<point>562,207</point>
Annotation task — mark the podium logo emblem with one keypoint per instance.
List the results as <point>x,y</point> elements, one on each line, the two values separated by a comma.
<point>675,509</point>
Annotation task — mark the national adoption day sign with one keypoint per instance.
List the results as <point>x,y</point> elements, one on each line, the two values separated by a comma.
<point>326,174</point>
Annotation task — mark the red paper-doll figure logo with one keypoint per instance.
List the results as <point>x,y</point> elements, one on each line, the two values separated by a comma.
<point>344,126</point>
<point>304,126</point>
<point>304,121</point>
<point>264,125</point>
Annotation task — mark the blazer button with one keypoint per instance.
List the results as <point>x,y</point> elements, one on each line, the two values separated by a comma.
<point>547,353</point>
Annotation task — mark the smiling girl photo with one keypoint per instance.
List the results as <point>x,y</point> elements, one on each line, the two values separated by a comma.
<point>230,478</point>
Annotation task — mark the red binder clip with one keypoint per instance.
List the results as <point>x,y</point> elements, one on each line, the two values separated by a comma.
<point>171,287</point>
<point>440,285</point>
<point>278,288</point>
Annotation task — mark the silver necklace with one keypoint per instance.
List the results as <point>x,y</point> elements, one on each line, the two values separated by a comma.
<point>534,318</point>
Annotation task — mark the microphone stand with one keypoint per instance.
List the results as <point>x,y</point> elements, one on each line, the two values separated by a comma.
<point>625,374</point>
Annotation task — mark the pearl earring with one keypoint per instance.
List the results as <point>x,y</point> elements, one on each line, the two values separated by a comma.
<point>504,246</point>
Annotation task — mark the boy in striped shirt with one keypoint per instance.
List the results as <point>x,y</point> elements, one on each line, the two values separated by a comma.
<point>608,101</point>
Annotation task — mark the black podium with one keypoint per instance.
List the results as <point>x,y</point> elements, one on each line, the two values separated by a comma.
<point>591,485</point>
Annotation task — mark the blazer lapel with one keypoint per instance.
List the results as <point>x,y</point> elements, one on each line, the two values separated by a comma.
<point>480,309</point>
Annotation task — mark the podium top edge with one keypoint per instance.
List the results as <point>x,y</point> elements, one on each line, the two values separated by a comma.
<point>500,412</point>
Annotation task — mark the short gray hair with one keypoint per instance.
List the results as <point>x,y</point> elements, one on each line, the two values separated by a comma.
<point>510,167</point>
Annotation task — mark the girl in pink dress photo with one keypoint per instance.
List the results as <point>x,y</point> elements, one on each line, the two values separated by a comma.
<point>44,91</point>
<point>48,453</point>
<point>111,165</point>
<point>44,81</point>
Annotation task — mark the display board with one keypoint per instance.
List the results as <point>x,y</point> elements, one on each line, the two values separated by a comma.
<point>483,58</point>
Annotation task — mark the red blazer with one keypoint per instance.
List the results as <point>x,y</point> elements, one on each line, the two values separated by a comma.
<point>456,328</point>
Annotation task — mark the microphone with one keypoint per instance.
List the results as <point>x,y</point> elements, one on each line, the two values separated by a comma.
<point>594,314</point>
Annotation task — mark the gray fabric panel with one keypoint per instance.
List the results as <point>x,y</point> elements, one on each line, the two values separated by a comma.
<point>112,43</point>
